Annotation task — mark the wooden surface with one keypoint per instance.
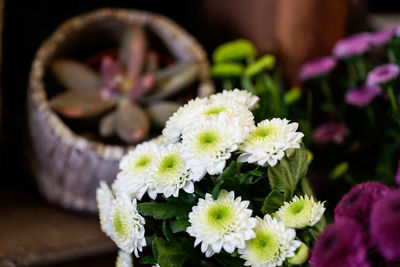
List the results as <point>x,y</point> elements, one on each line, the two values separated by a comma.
<point>33,233</point>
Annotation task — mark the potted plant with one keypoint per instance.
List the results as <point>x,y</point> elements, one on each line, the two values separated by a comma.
<point>71,157</point>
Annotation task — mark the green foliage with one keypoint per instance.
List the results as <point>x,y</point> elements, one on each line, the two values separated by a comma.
<point>286,174</point>
<point>292,96</point>
<point>264,63</point>
<point>162,211</point>
<point>170,253</point>
<point>179,226</point>
<point>227,70</point>
<point>236,50</point>
<point>272,202</point>
<point>339,170</point>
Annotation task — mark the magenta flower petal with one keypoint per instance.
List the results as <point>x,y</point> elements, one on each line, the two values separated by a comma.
<point>331,132</point>
<point>397,176</point>
<point>317,67</point>
<point>385,225</point>
<point>357,203</point>
<point>340,245</point>
<point>363,95</point>
<point>353,45</point>
<point>382,37</point>
<point>383,74</point>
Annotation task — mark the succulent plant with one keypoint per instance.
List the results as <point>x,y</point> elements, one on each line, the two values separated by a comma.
<point>129,92</point>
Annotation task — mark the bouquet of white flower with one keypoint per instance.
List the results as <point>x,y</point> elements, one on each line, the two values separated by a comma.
<point>214,179</point>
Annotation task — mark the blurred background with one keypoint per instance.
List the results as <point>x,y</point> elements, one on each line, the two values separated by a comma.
<point>33,233</point>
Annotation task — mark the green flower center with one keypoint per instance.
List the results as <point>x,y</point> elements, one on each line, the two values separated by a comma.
<point>207,140</point>
<point>119,226</point>
<point>214,110</point>
<point>296,207</point>
<point>220,216</point>
<point>170,166</point>
<point>143,161</point>
<point>264,246</point>
<point>264,132</point>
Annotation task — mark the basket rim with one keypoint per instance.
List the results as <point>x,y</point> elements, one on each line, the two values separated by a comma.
<point>36,88</point>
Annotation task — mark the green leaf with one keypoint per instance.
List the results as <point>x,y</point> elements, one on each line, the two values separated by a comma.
<point>147,259</point>
<point>256,173</point>
<point>162,211</point>
<point>179,226</point>
<point>292,96</point>
<point>339,170</point>
<point>166,231</point>
<point>170,254</point>
<point>235,50</point>
<point>216,189</point>
<point>306,188</point>
<point>229,172</point>
<point>286,174</point>
<point>264,63</point>
<point>272,202</point>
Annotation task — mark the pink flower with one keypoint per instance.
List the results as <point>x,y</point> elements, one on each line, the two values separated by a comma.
<point>382,37</point>
<point>363,95</point>
<point>353,45</point>
<point>385,225</point>
<point>383,74</point>
<point>340,245</point>
<point>317,67</point>
<point>358,202</point>
<point>397,176</point>
<point>330,132</point>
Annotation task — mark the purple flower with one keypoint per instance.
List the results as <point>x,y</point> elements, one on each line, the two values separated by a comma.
<point>385,225</point>
<point>317,67</point>
<point>357,203</point>
<point>383,74</point>
<point>397,176</point>
<point>353,45</point>
<point>330,132</point>
<point>340,245</point>
<point>363,95</point>
<point>382,37</point>
<point>397,30</point>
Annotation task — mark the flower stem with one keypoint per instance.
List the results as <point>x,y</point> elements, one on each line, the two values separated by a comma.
<point>361,69</point>
<point>392,98</point>
<point>391,56</point>
<point>371,115</point>
<point>327,92</point>
<point>227,84</point>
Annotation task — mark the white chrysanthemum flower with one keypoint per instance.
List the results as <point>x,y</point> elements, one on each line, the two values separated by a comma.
<point>124,259</point>
<point>272,244</point>
<point>241,96</point>
<point>184,115</point>
<point>104,198</point>
<point>169,173</point>
<point>223,223</point>
<point>268,142</point>
<point>207,107</point>
<point>128,225</point>
<point>301,212</point>
<point>132,179</point>
<point>209,142</point>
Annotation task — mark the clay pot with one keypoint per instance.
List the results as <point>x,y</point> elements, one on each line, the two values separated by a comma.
<point>69,167</point>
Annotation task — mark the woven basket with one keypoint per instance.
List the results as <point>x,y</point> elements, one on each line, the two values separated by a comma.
<point>68,167</point>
